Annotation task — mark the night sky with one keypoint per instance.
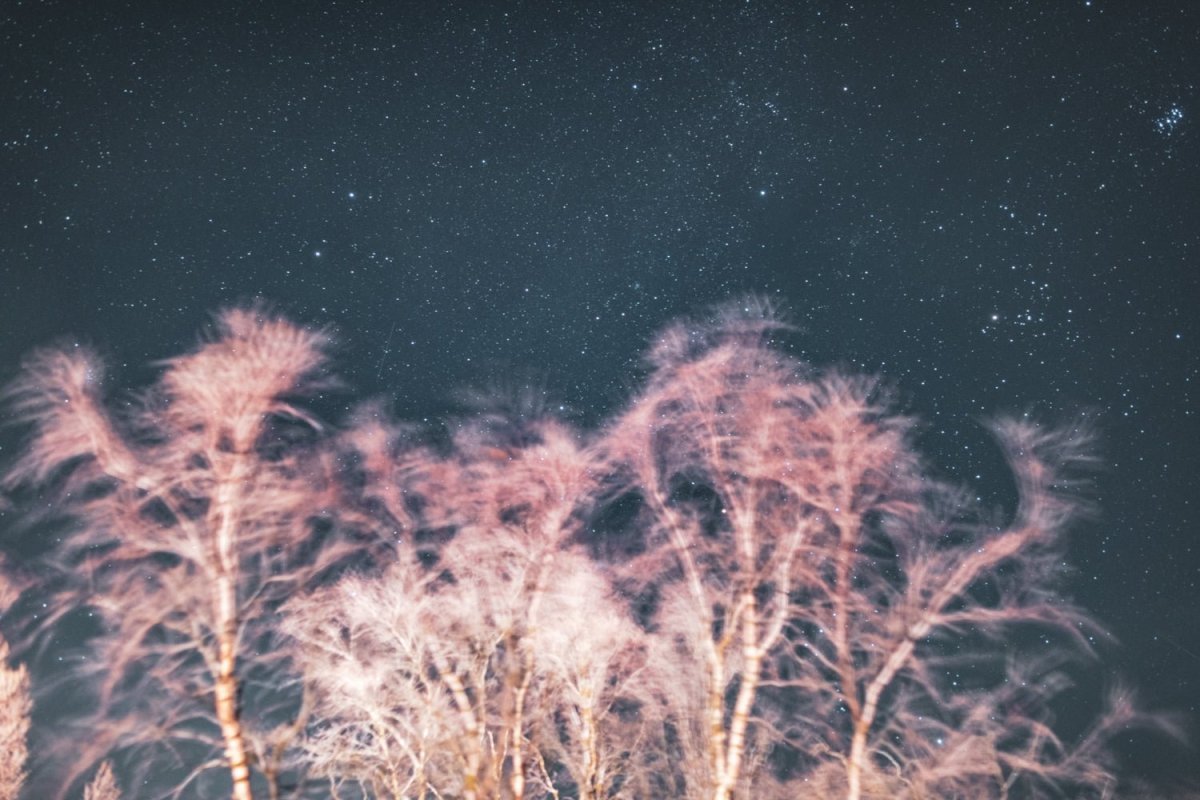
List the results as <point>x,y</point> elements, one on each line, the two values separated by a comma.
<point>995,205</point>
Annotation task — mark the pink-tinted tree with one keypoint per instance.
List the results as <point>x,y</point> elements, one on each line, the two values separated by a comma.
<point>712,448</point>
<point>492,667</point>
<point>801,608</point>
<point>192,508</point>
<point>820,586</point>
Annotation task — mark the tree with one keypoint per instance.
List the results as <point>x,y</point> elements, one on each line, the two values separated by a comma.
<point>492,666</point>
<point>193,508</point>
<point>824,589</point>
<point>713,448</point>
<point>747,584</point>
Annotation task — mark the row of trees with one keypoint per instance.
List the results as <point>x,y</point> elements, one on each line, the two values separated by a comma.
<point>746,584</point>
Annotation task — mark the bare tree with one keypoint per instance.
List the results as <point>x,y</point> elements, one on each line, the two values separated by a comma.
<point>496,666</point>
<point>821,586</point>
<point>597,705</point>
<point>193,508</point>
<point>714,449</point>
<point>900,643</point>
<point>802,608</point>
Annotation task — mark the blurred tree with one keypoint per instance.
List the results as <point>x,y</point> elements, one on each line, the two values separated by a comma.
<point>825,590</point>
<point>193,506</point>
<point>491,667</point>
<point>747,584</point>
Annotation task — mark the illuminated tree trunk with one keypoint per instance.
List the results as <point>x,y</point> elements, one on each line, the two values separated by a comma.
<point>226,501</point>
<point>735,749</point>
<point>591,787</point>
<point>226,701</point>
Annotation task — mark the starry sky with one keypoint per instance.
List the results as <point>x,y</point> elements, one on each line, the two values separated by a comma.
<point>994,205</point>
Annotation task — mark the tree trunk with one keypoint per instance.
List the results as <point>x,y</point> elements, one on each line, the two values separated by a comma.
<point>224,524</point>
<point>589,788</point>
<point>739,723</point>
<point>226,691</point>
<point>863,722</point>
<point>858,748</point>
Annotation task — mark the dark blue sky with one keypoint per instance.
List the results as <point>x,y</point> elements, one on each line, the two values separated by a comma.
<point>994,205</point>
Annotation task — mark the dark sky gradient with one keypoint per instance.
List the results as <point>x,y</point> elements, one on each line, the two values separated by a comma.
<point>994,204</point>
